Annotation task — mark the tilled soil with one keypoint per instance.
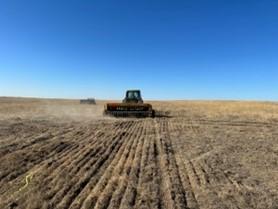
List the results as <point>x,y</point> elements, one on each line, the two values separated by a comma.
<point>167,162</point>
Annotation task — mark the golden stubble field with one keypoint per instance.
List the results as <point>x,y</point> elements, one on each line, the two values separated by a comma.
<point>203,155</point>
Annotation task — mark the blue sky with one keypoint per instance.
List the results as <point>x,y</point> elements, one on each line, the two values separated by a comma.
<point>194,49</point>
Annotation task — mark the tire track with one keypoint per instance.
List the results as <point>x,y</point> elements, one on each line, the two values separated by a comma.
<point>200,181</point>
<point>190,194</point>
<point>218,177</point>
<point>173,193</point>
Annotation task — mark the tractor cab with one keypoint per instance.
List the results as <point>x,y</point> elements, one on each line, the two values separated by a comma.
<point>133,96</point>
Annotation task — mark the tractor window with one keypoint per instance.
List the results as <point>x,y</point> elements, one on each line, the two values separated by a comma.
<point>133,95</point>
<point>136,95</point>
<point>130,95</point>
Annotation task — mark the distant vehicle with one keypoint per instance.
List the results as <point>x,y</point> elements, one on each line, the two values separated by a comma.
<point>88,101</point>
<point>132,105</point>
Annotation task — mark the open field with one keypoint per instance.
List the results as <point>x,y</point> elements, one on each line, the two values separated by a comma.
<point>203,155</point>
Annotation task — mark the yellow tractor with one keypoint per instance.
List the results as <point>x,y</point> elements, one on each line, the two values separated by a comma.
<point>131,106</point>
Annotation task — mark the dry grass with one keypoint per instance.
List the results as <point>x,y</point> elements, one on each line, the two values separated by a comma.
<point>205,155</point>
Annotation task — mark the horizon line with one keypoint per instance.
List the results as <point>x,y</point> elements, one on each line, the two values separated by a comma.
<point>155,100</point>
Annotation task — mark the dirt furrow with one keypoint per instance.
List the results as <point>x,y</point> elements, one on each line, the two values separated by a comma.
<point>129,191</point>
<point>62,149</point>
<point>24,159</point>
<point>65,162</point>
<point>118,139</point>
<point>88,146</point>
<point>173,193</point>
<point>123,175</point>
<point>190,195</point>
<point>24,142</point>
<point>42,166</point>
<point>74,185</point>
<point>21,142</point>
<point>143,165</point>
<point>116,167</point>
<point>15,132</point>
<point>105,171</point>
<point>58,148</point>
<point>35,154</point>
<point>148,194</point>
